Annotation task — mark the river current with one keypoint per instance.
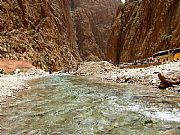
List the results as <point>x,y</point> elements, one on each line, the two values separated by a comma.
<point>70,105</point>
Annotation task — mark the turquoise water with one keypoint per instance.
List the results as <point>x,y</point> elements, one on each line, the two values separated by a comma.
<point>69,105</point>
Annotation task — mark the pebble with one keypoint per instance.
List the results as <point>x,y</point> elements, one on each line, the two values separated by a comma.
<point>13,83</point>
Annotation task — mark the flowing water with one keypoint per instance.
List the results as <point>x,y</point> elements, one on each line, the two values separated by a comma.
<point>68,105</point>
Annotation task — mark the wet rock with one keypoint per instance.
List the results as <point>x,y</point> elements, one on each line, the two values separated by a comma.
<point>150,122</point>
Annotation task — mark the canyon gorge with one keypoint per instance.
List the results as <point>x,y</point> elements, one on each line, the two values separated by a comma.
<point>93,19</point>
<point>61,70</point>
<point>60,33</point>
<point>55,34</point>
<point>142,28</point>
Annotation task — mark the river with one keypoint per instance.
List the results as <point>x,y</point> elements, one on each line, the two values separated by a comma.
<point>70,105</point>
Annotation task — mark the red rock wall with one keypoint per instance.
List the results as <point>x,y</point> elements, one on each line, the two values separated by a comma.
<point>9,66</point>
<point>143,27</point>
<point>41,31</point>
<point>93,19</point>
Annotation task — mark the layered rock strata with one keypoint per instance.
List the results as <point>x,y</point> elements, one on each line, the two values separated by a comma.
<point>40,31</point>
<point>143,27</point>
<point>93,19</point>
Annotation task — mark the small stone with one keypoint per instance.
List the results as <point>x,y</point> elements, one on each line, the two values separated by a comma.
<point>17,71</point>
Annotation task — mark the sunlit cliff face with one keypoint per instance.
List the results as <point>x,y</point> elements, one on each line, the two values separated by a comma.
<point>143,28</point>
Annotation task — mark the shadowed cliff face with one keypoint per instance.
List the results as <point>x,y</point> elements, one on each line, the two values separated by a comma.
<point>40,31</point>
<point>93,19</point>
<point>143,27</point>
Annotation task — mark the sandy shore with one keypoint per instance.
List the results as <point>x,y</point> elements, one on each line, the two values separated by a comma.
<point>146,76</point>
<point>9,84</point>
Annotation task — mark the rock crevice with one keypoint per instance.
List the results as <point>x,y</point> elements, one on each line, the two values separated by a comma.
<point>93,19</point>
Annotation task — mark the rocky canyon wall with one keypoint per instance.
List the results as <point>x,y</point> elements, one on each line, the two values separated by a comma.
<point>93,19</point>
<point>143,27</point>
<point>40,31</point>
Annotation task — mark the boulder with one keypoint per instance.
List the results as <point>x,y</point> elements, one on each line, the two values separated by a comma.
<point>168,82</point>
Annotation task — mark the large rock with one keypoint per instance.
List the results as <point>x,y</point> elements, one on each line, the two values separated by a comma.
<point>143,27</point>
<point>40,31</point>
<point>172,79</point>
<point>93,19</point>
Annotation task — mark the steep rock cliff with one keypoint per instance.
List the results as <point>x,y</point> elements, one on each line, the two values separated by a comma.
<point>40,31</point>
<point>143,27</point>
<point>93,19</point>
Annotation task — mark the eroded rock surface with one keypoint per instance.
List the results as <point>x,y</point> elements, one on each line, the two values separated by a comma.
<point>40,31</point>
<point>93,19</point>
<point>143,27</point>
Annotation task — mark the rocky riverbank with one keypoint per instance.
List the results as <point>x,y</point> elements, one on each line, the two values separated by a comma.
<point>9,84</point>
<point>146,76</point>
